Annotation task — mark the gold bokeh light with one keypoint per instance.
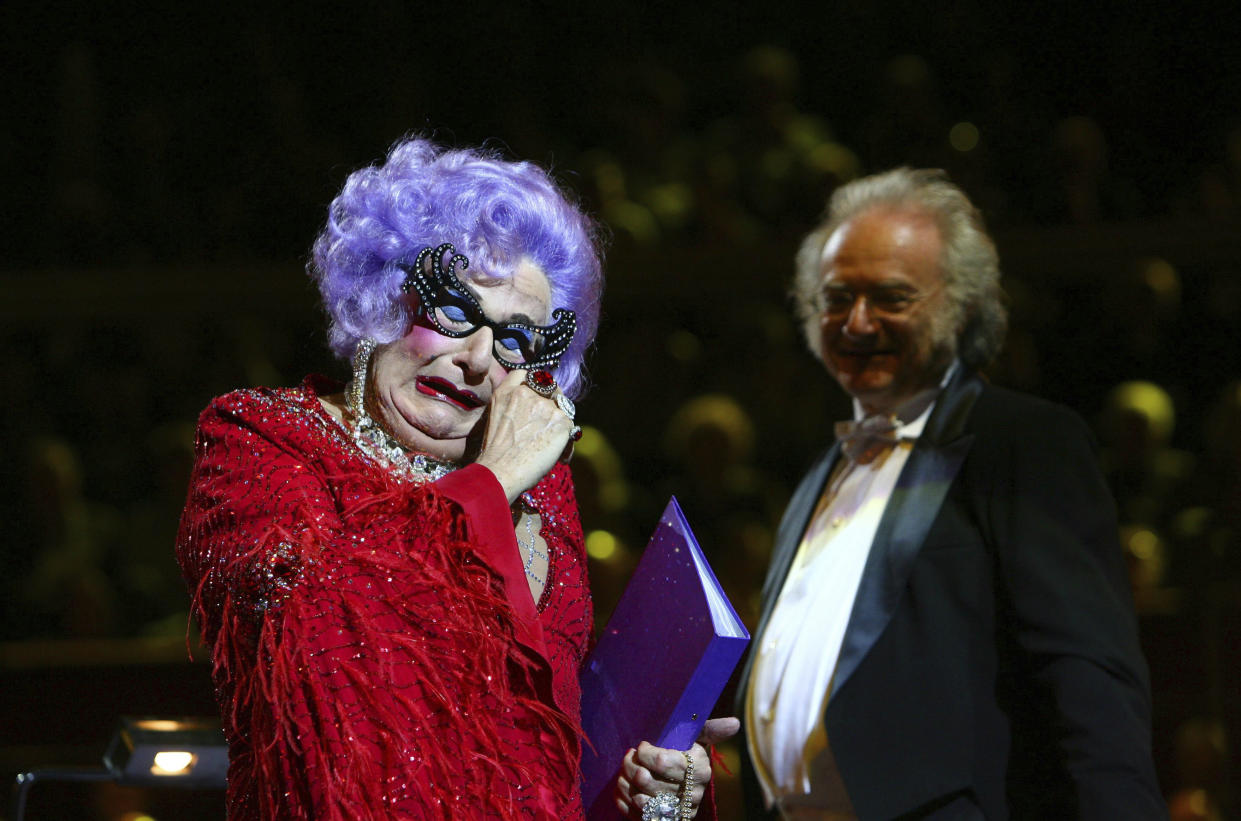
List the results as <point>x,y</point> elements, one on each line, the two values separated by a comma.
<point>963,137</point>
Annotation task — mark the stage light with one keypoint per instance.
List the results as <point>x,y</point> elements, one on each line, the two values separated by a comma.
<point>158,752</point>
<point>146,752</point>
<point>173,762</point>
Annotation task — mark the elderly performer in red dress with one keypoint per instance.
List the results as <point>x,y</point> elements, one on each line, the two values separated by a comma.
<point>390,574</point>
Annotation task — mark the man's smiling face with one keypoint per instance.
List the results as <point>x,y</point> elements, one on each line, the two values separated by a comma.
<point>886,326</point>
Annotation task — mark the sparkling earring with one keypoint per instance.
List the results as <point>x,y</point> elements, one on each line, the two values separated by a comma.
<point>355,395</point>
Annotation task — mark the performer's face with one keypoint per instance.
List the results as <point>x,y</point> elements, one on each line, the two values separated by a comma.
<point>431,390</point>
<point>886,323</point>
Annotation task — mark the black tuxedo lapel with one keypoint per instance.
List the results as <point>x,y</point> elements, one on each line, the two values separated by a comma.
<point>929,471</point>
<point>914,504</point>
<point>792,525</point>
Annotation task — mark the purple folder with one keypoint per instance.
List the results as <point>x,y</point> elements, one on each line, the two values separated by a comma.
<point>663,659</point>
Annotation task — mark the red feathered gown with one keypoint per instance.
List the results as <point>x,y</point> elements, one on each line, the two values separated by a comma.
<point>376,650</point>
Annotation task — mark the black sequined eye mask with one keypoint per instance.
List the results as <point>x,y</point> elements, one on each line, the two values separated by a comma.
<point>454,311</point>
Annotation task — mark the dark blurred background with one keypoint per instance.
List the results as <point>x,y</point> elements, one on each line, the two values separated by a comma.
<point>165,170</point>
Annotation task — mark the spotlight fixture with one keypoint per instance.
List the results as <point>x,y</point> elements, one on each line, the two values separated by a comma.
<point>146,752</point>
<point>164,752</point>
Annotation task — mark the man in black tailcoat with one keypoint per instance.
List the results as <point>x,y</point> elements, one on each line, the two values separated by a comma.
<point>947,630</point>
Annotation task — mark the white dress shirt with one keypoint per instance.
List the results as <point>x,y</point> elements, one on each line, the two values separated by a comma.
<point>800,644</point>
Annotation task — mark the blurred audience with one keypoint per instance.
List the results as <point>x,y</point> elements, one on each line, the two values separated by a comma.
<point>70,589</point>
<point>1148,476</point>
<point>1081,189</point>
<point>609,507</point>
<point>702,173</point>
<point>1201,772</point>
<point>709,446</point>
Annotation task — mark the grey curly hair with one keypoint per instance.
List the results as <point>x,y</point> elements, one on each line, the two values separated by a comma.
<point>969,262</point>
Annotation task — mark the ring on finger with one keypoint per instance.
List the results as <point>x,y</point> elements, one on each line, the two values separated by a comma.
<point>566,404</point>
<point>663,805</point>
<point>541,382</point>
<point>576,433</point>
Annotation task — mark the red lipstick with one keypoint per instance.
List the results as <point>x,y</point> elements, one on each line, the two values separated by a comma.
<point>442,389</point>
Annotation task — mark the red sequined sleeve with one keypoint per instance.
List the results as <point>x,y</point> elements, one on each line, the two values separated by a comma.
<point>369,658</point>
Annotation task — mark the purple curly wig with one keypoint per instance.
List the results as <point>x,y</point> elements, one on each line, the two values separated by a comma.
<point>494,211</point>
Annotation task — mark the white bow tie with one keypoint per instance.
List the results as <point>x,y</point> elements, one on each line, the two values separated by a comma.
<point>863,441</point>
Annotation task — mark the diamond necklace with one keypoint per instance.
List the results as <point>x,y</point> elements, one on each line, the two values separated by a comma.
<point>371,437</point>
<point>531,551</point>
